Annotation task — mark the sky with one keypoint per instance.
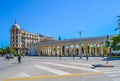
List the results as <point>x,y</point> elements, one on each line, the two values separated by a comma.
<point>64,18</point>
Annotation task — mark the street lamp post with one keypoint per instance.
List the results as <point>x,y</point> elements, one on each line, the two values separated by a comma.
<point>80,33</point>
<point>107,48</point>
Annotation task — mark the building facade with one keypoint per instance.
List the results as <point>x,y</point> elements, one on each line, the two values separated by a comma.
<point>92,46</point>
<point>19,39</point>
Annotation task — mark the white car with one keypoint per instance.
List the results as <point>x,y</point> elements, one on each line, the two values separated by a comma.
<point>11,55</point>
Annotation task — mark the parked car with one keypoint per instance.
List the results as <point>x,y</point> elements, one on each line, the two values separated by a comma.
<point>115,53</point>
<point>11,55</point>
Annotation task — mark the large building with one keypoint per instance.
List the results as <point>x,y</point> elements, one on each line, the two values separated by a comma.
<point>19,39</point>
<point>91,46</point>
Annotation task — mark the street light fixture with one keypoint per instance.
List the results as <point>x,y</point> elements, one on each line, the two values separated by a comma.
<point>80,33</point>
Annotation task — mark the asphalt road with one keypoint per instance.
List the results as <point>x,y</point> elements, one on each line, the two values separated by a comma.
<point>56,69</point>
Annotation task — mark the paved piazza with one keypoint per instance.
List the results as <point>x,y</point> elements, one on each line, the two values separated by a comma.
<point>56,69</point>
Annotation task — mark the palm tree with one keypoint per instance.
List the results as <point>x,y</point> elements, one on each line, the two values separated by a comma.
<point>118,28</point>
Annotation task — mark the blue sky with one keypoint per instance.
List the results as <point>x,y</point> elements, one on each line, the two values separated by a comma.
<point>59,17</point>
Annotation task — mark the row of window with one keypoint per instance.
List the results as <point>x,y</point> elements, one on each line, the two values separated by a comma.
<point>26,35</point>
<point>16,45</point>
<point>23,41</point>
<point>25,38</point>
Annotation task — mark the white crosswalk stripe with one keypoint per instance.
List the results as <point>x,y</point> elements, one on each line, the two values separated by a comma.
<point>114,73</point>
<point>116,79</point>
<point>111,72</point>
<point>73,67</point>
<point>53,70</point>
<point>106,70</point>
<point>81,64</point>
<point>59,72</point>
<point>20,75</point>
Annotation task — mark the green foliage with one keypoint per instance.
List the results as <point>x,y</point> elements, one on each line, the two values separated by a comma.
<point>59,38</point>
<point>115,42</point>
<point>1,51</point>
<point>9,50</point>
<point>115,56</point>
<point>15,54</point>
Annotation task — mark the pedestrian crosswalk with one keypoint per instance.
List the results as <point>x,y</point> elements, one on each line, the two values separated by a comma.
<point>73,67</point>
<point>59,72</point>
<point>55,68</point>
<point>113,73</point>
<point>20,75</point>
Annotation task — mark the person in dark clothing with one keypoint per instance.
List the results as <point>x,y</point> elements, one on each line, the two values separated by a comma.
<point>60,56</point>
<point>86,56</point>
<point>80,56</point>
<point>7,56</point>
<point>19,58</point>
<point>73,56</point>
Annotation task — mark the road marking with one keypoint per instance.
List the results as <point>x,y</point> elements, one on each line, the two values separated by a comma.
<point>54,76</point>
<point>74,67</point>
<point>116,79</point>
<point>82,64</point>
<point>23,74</point>
<point>59,72</point>
<point>111,72</point>
<point>112,75</point>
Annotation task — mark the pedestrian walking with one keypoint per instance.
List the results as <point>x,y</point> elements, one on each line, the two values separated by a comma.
<point>87,57</point>
<point>73,56</point>
<point>19,58</point>
<point>23,55</point>
<point>7,56</point>
<point>80,56</point>
<point>60,56</point>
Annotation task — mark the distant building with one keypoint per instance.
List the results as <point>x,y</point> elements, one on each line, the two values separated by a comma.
<point>19,39</point>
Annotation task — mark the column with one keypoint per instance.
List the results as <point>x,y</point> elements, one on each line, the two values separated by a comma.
<point>43,51</point>
<point>74,50</point>
<point>93,50</point>
<point>84,47</point>
<point>102,49</point>
<point>64,50</point>
<point>52,51</point>
<point>96,52</point>
<point>61,50</point>
<point>47,51</point>
<point>90,50</point>
<point>56,50</point>
<point>99,49</point>
<point>69,53</point>
<point>39,50</point>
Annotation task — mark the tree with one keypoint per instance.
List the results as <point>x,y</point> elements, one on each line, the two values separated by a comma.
<point>59,38</point>
<point>118,28</point>
<point>115,44</point>
<point>9,50</point>
<point>1,51</point>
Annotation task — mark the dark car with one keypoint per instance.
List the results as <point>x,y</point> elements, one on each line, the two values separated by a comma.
<point>115,53</point>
